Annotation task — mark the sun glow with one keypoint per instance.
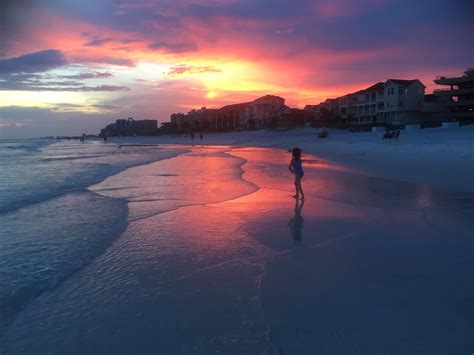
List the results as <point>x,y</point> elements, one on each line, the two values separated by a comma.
<point>230,76</point>
<point>212,95</point>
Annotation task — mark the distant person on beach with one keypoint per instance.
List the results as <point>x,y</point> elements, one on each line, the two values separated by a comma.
<point>297,169</point>
<point>192,137</point>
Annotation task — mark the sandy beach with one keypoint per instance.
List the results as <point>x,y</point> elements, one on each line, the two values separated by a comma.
<point>440,157</point>
<point>217,257</point>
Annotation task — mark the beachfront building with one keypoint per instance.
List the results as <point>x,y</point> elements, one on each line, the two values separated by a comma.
<point>457,100</point>
<point>435,107</point>
<point>394,101</point>
<point>230,117</point>
<point>248,115</point>
<point>201,118</point>
<point>403,101</point>
<point>369,105</point>
<point>128,127</point>
<point>346,107</point>
<point>259,112</point>
<point>329,110</point>
<point>178,119</point>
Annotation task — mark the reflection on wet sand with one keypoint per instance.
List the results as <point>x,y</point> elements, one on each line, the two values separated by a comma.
<point>296,223</point>
<point>207,266</point>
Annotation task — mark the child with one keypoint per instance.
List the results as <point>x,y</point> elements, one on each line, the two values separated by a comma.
<point>296,168</point>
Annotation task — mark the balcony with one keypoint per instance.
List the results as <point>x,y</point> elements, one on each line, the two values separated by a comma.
<point>449,92</point>
<point>441,80</point>
<point>460,103</point>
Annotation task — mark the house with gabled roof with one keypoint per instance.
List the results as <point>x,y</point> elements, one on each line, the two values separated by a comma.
<point>403,101</point>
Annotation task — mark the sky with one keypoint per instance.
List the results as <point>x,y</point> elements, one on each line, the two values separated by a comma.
<point>72,66</point>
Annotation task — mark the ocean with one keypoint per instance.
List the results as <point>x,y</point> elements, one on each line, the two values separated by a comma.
<point>51,224</point>
<point>162,249</point>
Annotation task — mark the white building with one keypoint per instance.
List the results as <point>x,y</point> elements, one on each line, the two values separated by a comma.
<point>403,101</point>
<point>369,104</point>
<point>258,112</point>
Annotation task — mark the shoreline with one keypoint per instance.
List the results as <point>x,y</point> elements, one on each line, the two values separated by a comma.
<point>264,272</point>
<point>439,157</point>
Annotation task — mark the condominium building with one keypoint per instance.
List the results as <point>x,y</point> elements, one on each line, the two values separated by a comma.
<point>129,127</point>
<point>458,99</point>
<point>258,112</point>
<point>344,104</point>
<point>403,101</point>
<point>392,101</point>
<point>369,104</point>
<point>255,114</point>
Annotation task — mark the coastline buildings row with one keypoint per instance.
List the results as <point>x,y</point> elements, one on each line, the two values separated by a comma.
<point>392,102</point>
<point>398,101</point>
<point>264,112</point>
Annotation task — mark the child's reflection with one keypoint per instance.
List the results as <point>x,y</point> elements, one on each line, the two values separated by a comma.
<point>296,223</point>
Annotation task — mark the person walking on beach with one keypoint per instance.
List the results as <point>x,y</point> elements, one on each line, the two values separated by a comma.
<point>297,169</point>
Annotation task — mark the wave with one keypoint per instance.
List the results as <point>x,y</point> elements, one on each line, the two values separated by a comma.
<point>41,246</point>
<point>24,145</point>
<point>56,180</point>
<point>49,235</point>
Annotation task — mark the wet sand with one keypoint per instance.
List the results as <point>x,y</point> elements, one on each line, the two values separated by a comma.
<point>219,258</point>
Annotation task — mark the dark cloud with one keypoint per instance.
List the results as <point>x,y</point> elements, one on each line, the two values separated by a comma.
<point>48,82</point>
<point>33,62</point>
<point>89,75</point>
<point>174,47</point>
<point>126,62</point>
<point>98,41</point>
<point>83,88</point>
<point>182,69</point>
<point>102,88</point>
<point>106,107</point>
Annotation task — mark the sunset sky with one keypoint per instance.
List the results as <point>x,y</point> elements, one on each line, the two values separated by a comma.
<point>71,66</point>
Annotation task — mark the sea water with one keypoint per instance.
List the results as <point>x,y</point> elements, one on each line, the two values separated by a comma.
<point>51,225</point>
<point>208,253</point>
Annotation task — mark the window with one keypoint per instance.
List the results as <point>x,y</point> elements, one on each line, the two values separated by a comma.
<point>401,91</point>
<point>400,104</point>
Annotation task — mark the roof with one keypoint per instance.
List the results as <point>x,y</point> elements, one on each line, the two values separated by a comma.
<point>404,82</point>
<point>235,106</point>
<point>376,87</point>
<point>269,97</point>
<point>244,104</point>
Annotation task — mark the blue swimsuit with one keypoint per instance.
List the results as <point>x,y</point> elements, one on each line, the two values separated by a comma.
<point>297,168</point>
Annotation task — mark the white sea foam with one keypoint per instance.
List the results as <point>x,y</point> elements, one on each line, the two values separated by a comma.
<point>51,226</point>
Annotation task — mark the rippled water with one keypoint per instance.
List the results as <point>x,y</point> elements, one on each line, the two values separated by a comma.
<point>214,256</point>
<point>51,225</point>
